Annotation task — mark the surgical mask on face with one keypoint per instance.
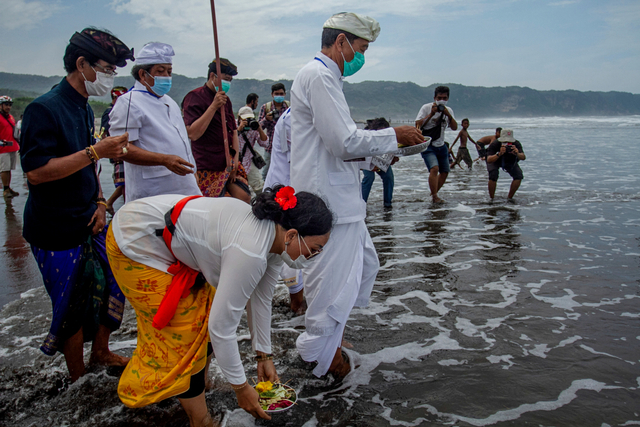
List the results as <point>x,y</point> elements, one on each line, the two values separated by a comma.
<point>350,68</point>
<point>161,85</point>
<point>441,102</point>
<point>299,263</point>
<point>102,85</point>
<point>226,86</point>
<point>278,99</point>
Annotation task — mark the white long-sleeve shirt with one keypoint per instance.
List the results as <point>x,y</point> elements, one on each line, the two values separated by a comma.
<point>221,238</point>
<point>323,135</point>
<point>156,125</point>
<point>279,169</point>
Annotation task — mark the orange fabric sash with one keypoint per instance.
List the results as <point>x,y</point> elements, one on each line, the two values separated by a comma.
<point>183,276</point>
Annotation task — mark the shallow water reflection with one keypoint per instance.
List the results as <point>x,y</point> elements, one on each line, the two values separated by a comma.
<point>483,313</point>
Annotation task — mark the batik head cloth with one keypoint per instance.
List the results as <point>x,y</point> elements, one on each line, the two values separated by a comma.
<point>103,45</point>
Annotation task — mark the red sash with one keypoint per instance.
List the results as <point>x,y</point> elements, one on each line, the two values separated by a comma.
<point>183,276</point>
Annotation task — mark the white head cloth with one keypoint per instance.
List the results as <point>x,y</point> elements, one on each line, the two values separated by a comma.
<point>155,53</point>
<point>359,25</point>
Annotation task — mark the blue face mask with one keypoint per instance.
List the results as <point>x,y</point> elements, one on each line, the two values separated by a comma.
<point>350,68</point>
<point>226,86</point>
<point>278,99</point>
<point>161,85</point>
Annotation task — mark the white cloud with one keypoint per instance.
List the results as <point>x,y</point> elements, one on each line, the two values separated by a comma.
<point>564,3</point>
<point>270,38</point>
<point>25,14</point>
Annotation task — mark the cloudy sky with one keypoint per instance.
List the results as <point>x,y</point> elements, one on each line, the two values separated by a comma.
<point>552,44</point>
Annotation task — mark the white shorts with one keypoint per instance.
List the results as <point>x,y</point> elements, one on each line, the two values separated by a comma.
<point>8,161</point>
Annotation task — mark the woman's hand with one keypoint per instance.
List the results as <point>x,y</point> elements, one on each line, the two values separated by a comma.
<point>267,371</point>
<point>248,400</point>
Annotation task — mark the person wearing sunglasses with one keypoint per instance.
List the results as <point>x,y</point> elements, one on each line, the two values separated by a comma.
<point>65,213</point>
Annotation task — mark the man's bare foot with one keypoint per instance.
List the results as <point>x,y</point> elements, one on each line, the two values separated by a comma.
<point>298,303</point>
<point>107,358</point>
<point>342,368</point>
<point>437,199</point>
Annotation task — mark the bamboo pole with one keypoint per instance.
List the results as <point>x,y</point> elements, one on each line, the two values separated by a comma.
<point>223,117</point>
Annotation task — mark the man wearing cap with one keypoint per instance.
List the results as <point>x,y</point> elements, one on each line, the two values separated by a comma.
<point>323,136</point>
<point>505,152</point>
<point>64,216</point>
<point>203,109</point>
<point>118,165</point>
<point>8,146</point>
<point>159,160</point>
<point>247,138</point>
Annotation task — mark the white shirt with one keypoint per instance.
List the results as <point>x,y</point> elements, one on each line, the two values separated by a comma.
<point>323,135</point>
<point>424,112</point>
<point>279,168</point>
<point>156,125</point>
<point>221,238</point>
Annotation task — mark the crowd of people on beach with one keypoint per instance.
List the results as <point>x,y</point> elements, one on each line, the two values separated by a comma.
<point>209,226</point>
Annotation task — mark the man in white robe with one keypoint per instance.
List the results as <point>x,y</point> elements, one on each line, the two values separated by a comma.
<point>159,158</point>
<point>323,136</point>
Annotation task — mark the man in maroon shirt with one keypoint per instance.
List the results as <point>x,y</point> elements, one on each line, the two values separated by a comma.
<point>203,118</point>
<point>8,146</point>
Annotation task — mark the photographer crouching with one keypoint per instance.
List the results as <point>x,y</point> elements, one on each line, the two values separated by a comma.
<point>505,152</point>
<point>250,132</point>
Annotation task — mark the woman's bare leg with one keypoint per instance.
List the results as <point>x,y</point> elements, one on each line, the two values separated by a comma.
<point>196,409</point>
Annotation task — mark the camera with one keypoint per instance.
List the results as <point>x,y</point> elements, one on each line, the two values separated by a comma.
<point>507,146</point>
<point>440,108</point>
<point>275,114</point>
<point>252,124</point>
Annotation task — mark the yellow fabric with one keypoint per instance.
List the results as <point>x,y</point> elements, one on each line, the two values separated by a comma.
<point>164,360</point>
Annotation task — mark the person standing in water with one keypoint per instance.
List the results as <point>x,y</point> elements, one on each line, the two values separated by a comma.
<point>65,213</point>
<point>463,151</point>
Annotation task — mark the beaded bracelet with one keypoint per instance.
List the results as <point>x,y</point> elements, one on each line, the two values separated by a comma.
<point>101,199</point>
<point>264,357</point>
<point>238,387</point>
<point>90,155</point>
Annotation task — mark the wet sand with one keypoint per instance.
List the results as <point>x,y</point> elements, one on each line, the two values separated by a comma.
<point>484,313</point>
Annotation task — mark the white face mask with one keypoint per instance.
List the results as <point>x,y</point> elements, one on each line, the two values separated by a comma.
<point>441,102</point>
<point>299,263</point>
<point>102,85</point>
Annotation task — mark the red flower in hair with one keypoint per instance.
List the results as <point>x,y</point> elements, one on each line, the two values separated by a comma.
<point>286,198</point>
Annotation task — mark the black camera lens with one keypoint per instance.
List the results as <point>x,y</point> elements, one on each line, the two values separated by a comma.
<point>440,108</point>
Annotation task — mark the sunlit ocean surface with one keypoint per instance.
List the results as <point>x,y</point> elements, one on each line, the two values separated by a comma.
<point>523,313</point>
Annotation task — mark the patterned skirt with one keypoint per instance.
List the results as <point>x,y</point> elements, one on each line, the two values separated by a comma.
<point>215,183</point>
<point>165,359</point>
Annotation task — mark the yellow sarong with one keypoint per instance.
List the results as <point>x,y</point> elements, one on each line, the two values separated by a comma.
<point>164,360</point>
